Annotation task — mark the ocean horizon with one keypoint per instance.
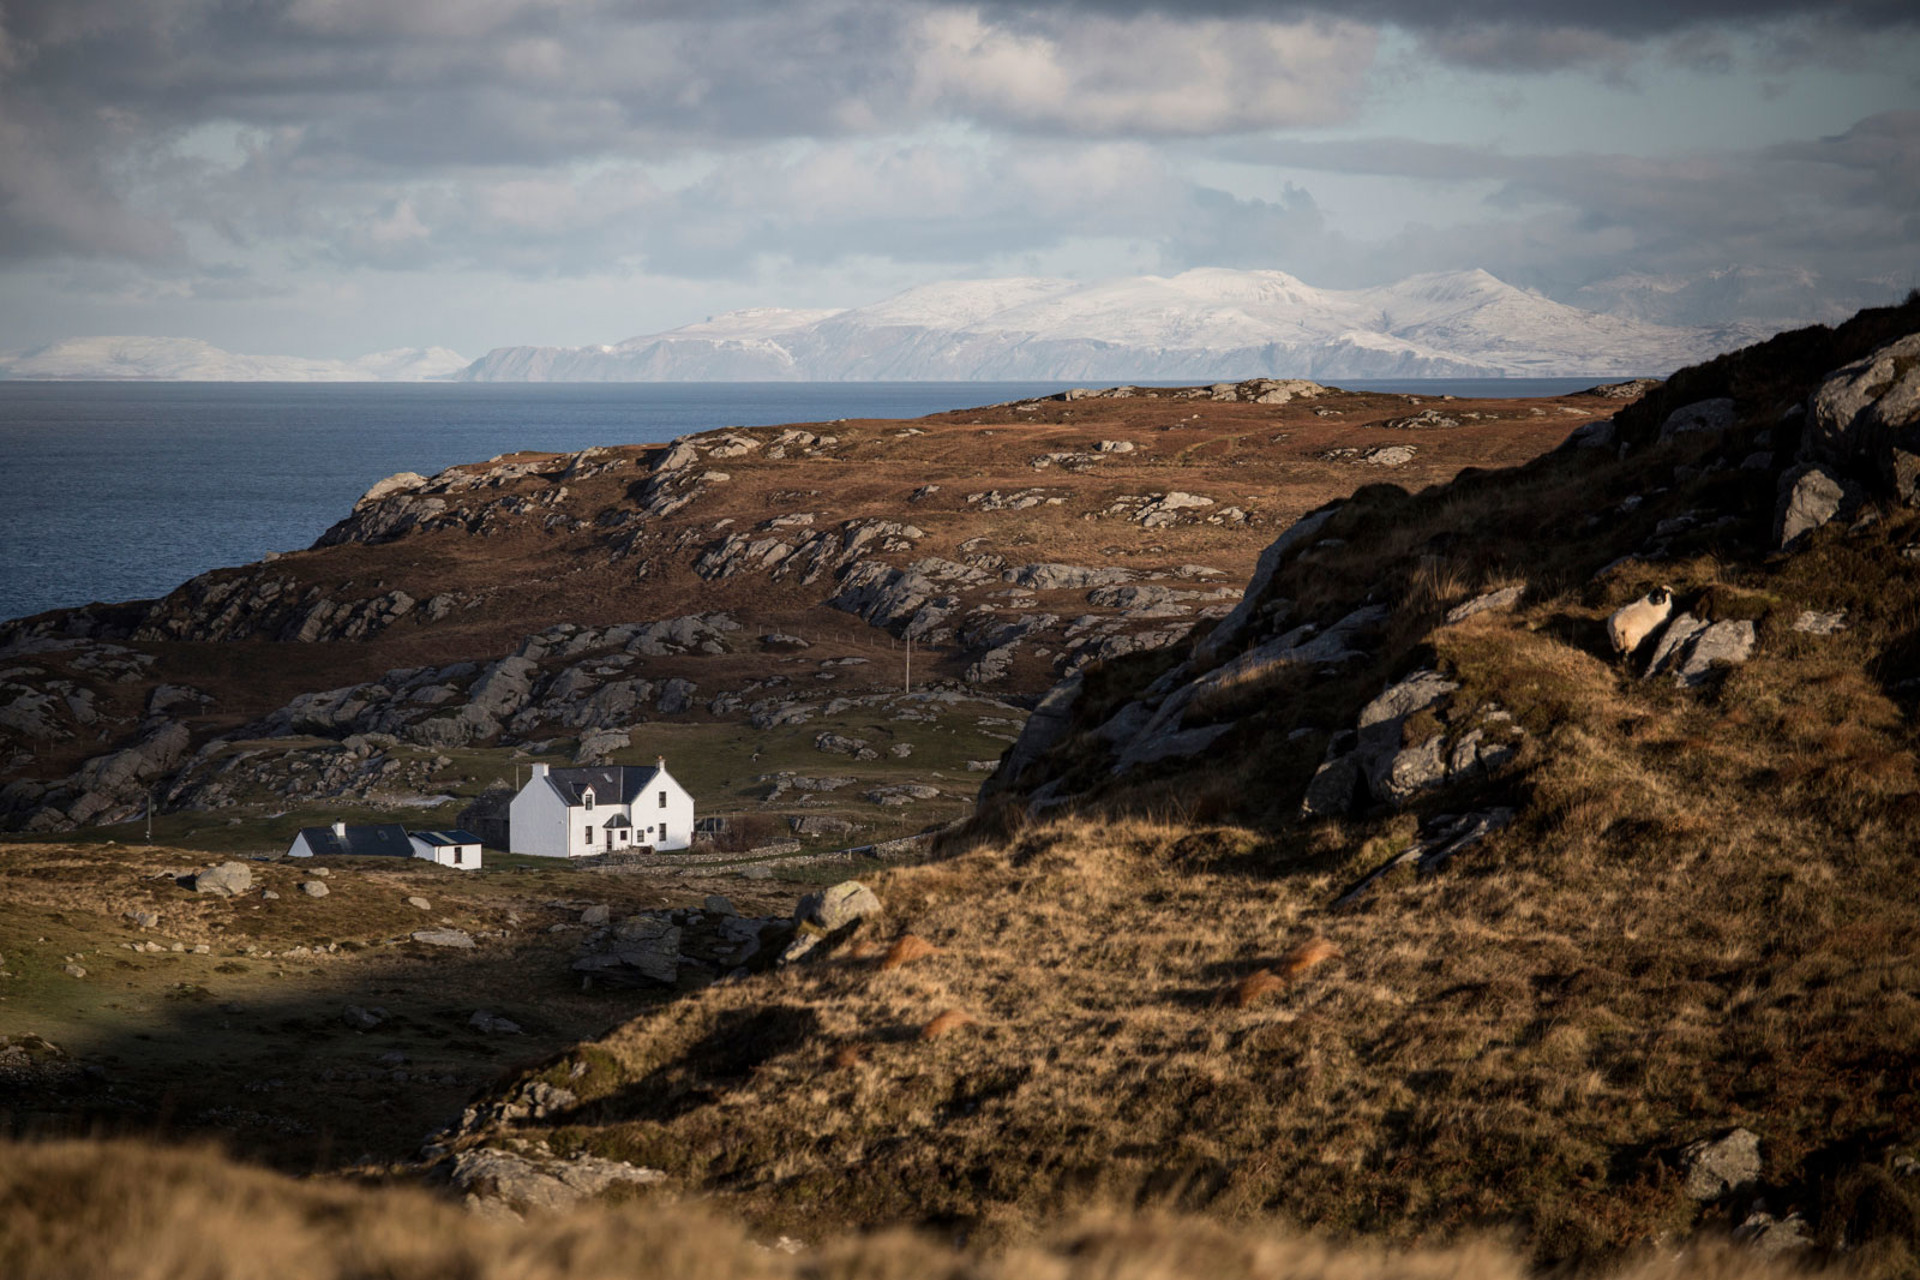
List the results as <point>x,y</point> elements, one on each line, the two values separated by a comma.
<point>122,490</point>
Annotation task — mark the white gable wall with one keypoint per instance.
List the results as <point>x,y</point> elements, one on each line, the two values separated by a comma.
<point>675,818</point>
<point>300,848</point>
<point>539,821</point>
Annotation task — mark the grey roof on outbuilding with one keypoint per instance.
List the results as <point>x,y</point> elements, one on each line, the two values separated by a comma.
<point>441,839</point>
<point>611,783</point>
<point>383,840</point>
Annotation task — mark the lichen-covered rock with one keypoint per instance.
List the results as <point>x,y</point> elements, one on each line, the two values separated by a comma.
<point>522,1184</point>
<point>1868,414</point>
<point>1488,602</point>
<point>820,916</point>
<point>1691,648</point>
<point>227,880</point>
<point>1810,496</point>
<point>1714,1167</point>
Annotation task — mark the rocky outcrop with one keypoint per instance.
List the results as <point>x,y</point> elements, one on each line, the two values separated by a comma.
<point>565,679</point>
<point>1154,728</point>
<point>1867,416</point>
<point>1716,414</point>
<point>1715,1167</point>
<point>783,548</point>
<point>1065,577</point>
<point>499,1183</point>
<point>683,947</point>
<point>1377,760</point>
<point>908,602</point>
<point>1234,626</point>
<point>1440,839</point>
<point>109,788</point>
<point>1811,496</point>
<point>1691,649</point>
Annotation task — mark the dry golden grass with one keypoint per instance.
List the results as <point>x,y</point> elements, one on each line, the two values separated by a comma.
<point>906,950</point>
<point>119,1211</point>
<point>1313,952</point>
<point>946,1024</point>
<point>1261,982</point>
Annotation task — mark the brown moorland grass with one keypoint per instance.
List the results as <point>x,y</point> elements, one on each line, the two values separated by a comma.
<point>1702,916</point>
<point>906,950</point>
<point>946,1024</point>
<point>1261,982</point>
<point>121,1211</point>
<point>1524,1043</point>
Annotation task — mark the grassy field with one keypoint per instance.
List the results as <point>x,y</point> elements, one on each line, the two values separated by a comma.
<point>246,1039</point>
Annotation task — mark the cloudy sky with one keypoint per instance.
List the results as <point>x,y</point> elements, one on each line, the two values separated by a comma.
<point>330,177</point>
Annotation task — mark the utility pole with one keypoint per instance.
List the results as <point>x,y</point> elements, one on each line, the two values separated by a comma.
<point>149,815</point>
<point>909,684</point>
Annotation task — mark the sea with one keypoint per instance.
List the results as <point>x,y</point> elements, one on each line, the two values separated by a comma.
<point>116,491</point>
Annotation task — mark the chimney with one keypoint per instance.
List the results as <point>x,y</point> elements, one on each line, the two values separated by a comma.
<point>662,762</point>
<point>340,830</point>
<point>539,771</point>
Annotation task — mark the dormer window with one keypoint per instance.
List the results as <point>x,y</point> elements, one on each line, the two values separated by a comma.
<point>586,799</point>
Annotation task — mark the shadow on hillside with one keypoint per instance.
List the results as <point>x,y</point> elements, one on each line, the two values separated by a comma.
<point>740,1041</point>
<point>286,1078</point>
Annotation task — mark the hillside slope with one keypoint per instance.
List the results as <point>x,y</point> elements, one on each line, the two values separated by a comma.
<point>728,598</point>
<point>1396,905</point>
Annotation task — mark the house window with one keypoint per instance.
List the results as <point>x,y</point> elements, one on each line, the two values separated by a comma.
<point>663,799</point>
<point>589,835</point>
<point>459,855</point>
<point>586,800</point>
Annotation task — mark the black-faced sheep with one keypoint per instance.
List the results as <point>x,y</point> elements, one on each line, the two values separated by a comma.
<point>1631,624</point>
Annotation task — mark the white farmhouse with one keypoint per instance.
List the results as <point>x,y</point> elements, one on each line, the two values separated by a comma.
<point>571,813</point>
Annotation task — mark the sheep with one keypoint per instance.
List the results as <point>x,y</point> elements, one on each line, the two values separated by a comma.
<point>1631,624</point>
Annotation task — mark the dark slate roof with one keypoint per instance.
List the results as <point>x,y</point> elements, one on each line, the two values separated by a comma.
<point>443,838</point>
<point>611,783</point>
<point>617,821</point>
<point>386,840</point>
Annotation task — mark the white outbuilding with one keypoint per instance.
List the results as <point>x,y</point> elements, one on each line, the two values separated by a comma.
<point>459,849</point>
<point>574,813</point>
<point>376,840</point>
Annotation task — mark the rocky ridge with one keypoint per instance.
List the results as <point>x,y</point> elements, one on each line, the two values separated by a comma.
<point>786,541</point>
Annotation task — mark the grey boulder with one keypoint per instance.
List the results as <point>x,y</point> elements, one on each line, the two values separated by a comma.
<point>820,916</point>
<point>1810,496</point>
<point>228,879</point>
<point>1869,413</point>
<point>1714,1167</point>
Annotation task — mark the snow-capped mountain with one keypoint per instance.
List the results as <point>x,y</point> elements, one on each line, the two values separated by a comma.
<point>1204,324</point>
<point>190,360</point>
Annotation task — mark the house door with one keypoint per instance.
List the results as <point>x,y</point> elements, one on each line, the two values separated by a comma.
<point>609,831</point>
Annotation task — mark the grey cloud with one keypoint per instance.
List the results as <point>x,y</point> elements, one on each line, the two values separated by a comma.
<point>1630,19</point>
<point>1840,208</point>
